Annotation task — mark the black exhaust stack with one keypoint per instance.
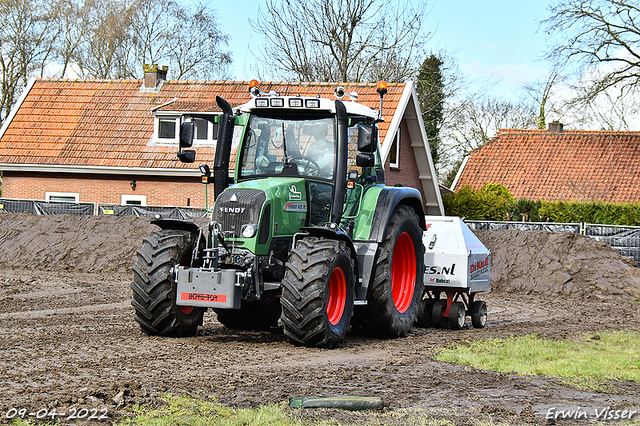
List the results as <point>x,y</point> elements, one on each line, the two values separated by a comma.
<point>341,164</point>
<point>223,148</point>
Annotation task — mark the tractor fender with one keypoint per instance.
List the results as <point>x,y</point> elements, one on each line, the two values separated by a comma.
<point>388,199</point>
<point>177,225</point>
<point>337,234</point>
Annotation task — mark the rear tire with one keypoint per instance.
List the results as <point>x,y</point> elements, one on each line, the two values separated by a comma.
<point>317,292</point>
<point>154,288</point>
<point>394,296</point>
<point>257,316</point>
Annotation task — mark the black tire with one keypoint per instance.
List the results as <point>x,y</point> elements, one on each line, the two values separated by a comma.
<point>439,308</point>
<point>154,287</point>
<point>479,314</point>
<point>457,314</point>
<point>258,315</point>
<point>424,313</point>
<point>312,313</point>
<point>387,314</point>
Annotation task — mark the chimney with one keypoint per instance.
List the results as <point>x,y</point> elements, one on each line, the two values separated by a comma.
<point>154,76</point>
<point>555,127</point>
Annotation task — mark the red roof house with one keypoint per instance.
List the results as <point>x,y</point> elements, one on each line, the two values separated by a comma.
<point>115,141</point>
<point>558,165</point>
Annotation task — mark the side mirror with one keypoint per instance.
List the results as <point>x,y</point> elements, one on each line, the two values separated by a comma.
<point>365,159</point>
<point>186,135</point>
<point>187,156</point>
<point>367,138</point>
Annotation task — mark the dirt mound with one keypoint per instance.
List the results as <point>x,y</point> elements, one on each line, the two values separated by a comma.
<point>558,264</point>
<point>66,242</point>
<point>523,262</point>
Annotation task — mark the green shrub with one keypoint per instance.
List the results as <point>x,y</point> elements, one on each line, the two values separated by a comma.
<point>494,202</point>
<point>478,205</point>
<point>497,189</point>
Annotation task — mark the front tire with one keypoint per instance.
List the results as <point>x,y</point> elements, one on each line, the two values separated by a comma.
<point>154,287</point>
<point>317,292</point>
<point>394,296</point>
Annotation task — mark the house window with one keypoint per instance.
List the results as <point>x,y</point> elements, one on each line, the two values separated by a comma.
<point>166,130</point>
<point>394,152</point>
<point>204,131</point>
<point>62,197</point>
<point>201,129</point>
<point>133,200</point>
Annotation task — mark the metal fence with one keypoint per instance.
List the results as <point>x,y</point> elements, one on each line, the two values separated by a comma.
<point>624,239</point>
<point>50,207</point>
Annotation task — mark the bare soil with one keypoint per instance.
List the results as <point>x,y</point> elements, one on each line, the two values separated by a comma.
<point>68,339</point>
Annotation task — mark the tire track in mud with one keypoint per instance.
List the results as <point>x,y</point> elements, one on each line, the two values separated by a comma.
<point>68,339</point>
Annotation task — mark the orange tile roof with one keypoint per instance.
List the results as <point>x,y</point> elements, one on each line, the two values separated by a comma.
<point>109,123</point>
<point>574,165</point>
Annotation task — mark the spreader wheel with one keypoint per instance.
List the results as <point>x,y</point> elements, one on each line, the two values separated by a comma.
<point>439,308</point>
<point>479,314</point>
<point>424,313</point>
<point>457,314</point>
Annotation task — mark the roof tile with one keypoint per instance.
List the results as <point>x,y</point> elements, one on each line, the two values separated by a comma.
<point>109,123</point>
<point>574,165</point>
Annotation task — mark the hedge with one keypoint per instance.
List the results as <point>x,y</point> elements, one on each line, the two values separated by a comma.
<point>493,202</point>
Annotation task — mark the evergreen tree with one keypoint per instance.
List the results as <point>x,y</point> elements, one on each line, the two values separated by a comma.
<point>431,93</point>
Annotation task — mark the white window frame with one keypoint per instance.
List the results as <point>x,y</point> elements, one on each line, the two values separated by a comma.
<point>156,128</point>
<point>125,198</point>
<point>157,140</point>
<point>395,144</point>
<point>75,195</point>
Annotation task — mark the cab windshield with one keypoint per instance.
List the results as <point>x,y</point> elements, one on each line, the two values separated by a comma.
<point>288,147</point>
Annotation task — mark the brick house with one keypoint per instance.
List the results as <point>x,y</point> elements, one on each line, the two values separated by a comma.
<point>115,141</point>
<point>558,164</point>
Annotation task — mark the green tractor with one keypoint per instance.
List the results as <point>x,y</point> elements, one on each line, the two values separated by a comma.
<point>305,233</point>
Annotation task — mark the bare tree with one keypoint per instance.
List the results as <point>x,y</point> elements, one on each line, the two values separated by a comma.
<point>195,50</point>
<point>603,34</point>
<point>542,93</point>
<point>74,27</point>
<point>125,35</point>
<point>351,40</point>
<point>27,37</point>
<point>479,120</point>
<point>106,53</point>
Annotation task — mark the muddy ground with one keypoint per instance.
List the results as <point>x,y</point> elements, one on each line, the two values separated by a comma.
<point>68,339</point>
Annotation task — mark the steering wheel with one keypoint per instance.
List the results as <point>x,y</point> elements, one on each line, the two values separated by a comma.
<point>311,167</point>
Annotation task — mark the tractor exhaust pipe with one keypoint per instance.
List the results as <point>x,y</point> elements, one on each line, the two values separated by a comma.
<point>341,164</point>
<point>223,148</point>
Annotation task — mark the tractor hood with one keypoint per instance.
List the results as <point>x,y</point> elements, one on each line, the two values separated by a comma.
<point>277,204</point>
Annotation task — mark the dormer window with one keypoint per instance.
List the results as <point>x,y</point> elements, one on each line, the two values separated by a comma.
<point>166,130</point>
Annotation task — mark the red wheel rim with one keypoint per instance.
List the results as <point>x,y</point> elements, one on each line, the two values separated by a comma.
<point>186,309</point>
<point>403,272</point>
<point>337,296</point>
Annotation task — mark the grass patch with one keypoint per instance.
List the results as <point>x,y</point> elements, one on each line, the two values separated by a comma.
<point>185,410</point>
<point>587,363</point>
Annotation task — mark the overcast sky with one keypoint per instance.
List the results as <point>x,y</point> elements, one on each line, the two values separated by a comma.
<point>496,42</point>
